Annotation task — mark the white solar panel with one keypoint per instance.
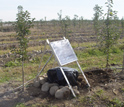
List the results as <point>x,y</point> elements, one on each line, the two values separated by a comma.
<point>63,52</point>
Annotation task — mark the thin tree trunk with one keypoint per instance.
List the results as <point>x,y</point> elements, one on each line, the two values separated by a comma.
<point>123,63</point>
<point>108,38</point>
<point>23,74</point>
<point>107,60</point>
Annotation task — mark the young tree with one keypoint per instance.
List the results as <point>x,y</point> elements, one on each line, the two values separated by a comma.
<point>80,22</point>
<point>1,25</point>
<point>60,20</point>
<point>123,63</point>
<point>64,23</point>
<point>97,17</point>
<point>75,20</point>
<point>22,26</point>
<point>109,30</point>
<point>122,27</point>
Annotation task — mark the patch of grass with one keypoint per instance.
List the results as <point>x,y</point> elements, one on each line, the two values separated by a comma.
<point>4,77</point>
<point>116,103</point>
<point>95,52</point>
<point>122,89</point>
<point>115,50</point>
<point>20,105</point>
<point>82,54</point>
<point>87,99</point>
<point>87,59</point>
<point>4,51</point>
<point>12,64</point>
<point>99,92</point>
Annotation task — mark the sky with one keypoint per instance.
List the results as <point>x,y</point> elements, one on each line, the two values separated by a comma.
<point>39,9</point>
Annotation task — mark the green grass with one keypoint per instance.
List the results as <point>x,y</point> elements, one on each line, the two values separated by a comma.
<point>20,105</point>
<point>4,77</point>
<point>13,64</point>
<point>116,103</point>
<point>99,92</point>
<point>87,59</point>
<point>4,51</point>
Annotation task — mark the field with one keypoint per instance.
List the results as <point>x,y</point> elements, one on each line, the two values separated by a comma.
<point>107,87</point>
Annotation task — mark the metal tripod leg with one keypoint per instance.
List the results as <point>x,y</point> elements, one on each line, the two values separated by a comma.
<point>83,74</point>
<point>44,66</point>
<point>67,82</point>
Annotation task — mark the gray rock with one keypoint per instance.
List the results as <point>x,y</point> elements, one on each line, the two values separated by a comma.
<point>53,84</point>
<point>53,90</point>
<point>62,93</point>
<point>59,94</point>
<point>45,87</point>
<point>42,80</point>
<point>36,84</point>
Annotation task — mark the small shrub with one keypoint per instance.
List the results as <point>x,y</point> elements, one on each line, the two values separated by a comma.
<point>12,64</point>
<point>43,33</point>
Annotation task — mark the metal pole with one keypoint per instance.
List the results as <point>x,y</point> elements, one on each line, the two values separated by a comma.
<point>83,74</point>
<point>44,66</point>
<point>67,82</point>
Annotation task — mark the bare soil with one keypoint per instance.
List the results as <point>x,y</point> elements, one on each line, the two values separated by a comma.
<point>110,83</point>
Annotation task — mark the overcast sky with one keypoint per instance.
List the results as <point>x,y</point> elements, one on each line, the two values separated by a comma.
<point>40,9</point>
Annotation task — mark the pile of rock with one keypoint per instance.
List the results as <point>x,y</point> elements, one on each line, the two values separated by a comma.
<point>54,89</point>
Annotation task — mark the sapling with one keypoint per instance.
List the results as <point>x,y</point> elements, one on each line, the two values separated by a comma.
<point>1,25</point>
<point>108,30</point>
<point>64,23</point>
<point>97,18</point>
<point>122,27</point>
<point>22,25</point>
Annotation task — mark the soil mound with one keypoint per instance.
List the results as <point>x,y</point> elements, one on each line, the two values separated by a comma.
<point>96,77</point>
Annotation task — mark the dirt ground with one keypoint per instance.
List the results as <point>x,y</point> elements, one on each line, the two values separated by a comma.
<point>105,86</point>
